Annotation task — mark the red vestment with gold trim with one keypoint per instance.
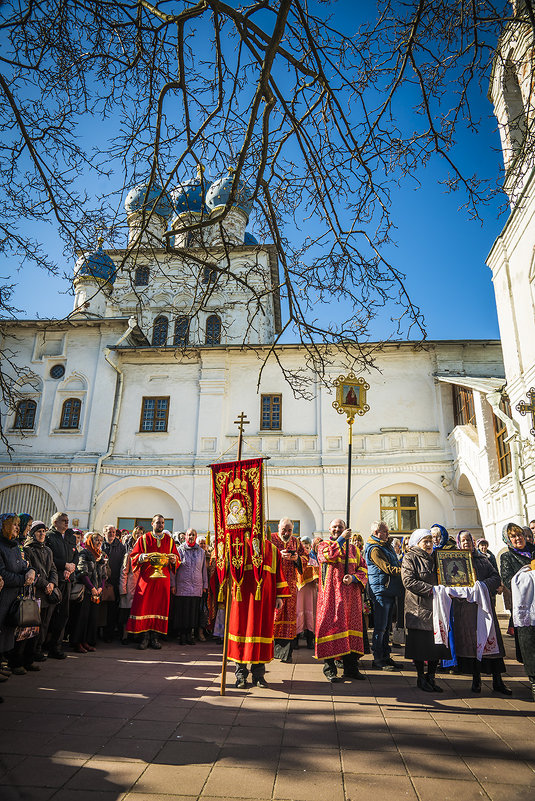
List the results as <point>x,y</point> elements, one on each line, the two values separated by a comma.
<point>150,604</point>
<point>250,636</point>
<point>286,618</point>
<point>339,610</point>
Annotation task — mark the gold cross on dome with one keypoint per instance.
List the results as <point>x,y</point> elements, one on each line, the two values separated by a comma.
<point>528,408</point>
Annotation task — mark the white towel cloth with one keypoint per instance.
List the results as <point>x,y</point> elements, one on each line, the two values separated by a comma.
<point>487,642</point>
<point>523,592</point>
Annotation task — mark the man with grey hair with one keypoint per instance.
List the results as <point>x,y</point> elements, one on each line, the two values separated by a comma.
<point>293,561</point>
<point>384,584</point>
<point>62,543</point>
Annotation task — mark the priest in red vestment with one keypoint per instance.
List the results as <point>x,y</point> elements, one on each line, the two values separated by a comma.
<point>149,614</point>
<point>339,610</point>
<point>250,636</point>
<point>294,561</point>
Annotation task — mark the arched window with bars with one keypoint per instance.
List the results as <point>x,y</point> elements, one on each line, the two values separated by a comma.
<point>70,413</point>
<point>25,414</point>
<point>181,335</point>
<point>159,331</point>
<point>142,275</point>
<point>213,330</point>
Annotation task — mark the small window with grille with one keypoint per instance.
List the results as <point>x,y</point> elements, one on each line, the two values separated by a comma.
<point>209,275</point>
<point>213,330</point>
<point>70,413</point>
<point>25,414</point>
<point>271,412</point>
<point>181,331</point>
<point>159,331</point>
<point>141,277</point>
<point>154,414</point>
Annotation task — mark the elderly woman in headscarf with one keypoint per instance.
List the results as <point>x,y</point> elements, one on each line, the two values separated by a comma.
<point>465,623</point>
<point>16,572</point>
<point>519,554</point>
<point>419,576</point>
<point>441,538</point>
<point>25,524</point>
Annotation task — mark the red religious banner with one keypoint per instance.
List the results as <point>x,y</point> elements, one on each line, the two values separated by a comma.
<point>238,522</point>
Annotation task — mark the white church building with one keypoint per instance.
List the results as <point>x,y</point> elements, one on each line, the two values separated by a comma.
<point>122,407</point>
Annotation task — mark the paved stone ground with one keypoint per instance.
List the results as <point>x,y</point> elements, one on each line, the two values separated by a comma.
<point>148,726</point>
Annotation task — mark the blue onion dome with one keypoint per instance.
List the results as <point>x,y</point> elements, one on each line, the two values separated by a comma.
<point>219,194</point>
<point>96,265</point>
<point>153,200</point>
<point>250,239</point>
<point>188,197</point>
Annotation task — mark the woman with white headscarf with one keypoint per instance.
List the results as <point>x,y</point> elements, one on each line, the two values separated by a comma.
<point>419,576</point>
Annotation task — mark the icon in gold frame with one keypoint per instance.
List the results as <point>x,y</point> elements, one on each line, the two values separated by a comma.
<point>455,569</point>
<point>351,395</point>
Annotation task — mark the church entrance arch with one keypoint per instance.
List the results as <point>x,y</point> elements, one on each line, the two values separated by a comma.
<point>139,503</point>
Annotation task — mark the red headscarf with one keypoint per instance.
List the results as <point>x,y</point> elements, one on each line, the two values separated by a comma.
<point>90,545</point>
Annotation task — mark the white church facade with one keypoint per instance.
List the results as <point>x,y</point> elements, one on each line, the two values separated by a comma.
<point>122,407</point>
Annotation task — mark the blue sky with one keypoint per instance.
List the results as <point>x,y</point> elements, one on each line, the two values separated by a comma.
<point>441,251</point>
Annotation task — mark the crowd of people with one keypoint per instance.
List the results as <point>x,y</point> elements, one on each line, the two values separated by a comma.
<point>322,593</point>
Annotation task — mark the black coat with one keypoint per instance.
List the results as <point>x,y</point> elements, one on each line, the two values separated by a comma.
<point>115,553</point>
<point>419,576</point>
<point>13,569</point>
<point>41,559</point>
<point>63,550</point>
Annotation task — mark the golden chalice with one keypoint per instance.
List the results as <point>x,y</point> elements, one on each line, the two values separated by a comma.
<point>158,560</point>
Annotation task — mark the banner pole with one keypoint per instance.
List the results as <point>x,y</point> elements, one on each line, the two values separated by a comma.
<point>348,503</point>
<point>241,421</point>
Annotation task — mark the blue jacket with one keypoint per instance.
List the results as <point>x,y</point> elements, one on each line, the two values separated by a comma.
<point>383,582</point>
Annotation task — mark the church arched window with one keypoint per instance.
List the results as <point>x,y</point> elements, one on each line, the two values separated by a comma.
<point>213,330</point>
<point>141,277</point>
<point>181,331</point>
<point>25,414</point>
<point>70,413</point>
<point>516,113</point>
<point>159,331</point>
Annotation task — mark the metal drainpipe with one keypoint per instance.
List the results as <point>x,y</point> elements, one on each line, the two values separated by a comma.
<point>132,322</point>
<point>494,399</point>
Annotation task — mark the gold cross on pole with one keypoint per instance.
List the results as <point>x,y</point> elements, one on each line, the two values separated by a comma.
<point>528,408</point>
<point>241,422</point>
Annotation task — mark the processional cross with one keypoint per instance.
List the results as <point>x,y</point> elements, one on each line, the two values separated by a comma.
<point>528,408</point>
<point>241,422</point>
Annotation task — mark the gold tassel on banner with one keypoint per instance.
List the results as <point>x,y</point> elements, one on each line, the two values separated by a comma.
<point>258,593</point>
<point>222,592</point>
<point>237,592</point>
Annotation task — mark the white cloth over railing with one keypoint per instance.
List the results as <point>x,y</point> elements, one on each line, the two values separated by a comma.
<point>487,642</point>
<point>523,592</point>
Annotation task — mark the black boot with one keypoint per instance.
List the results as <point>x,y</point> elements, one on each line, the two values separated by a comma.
<point>421,681</point>
<point>144,642</point>
<point>430,677</point>
<point>310,639</point>
<point>498,686</point>
<point>155,641</point>
<point>476,679</point>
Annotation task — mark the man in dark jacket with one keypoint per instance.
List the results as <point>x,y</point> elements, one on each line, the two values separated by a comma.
<point>384,585</point>
<point>115,551</point>
<point>62,543</point>
<point>40,557</point>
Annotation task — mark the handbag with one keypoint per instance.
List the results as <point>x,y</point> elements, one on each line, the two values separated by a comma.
<point>108,593</point>
<point>76,592</point>
<point>24,611</point>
